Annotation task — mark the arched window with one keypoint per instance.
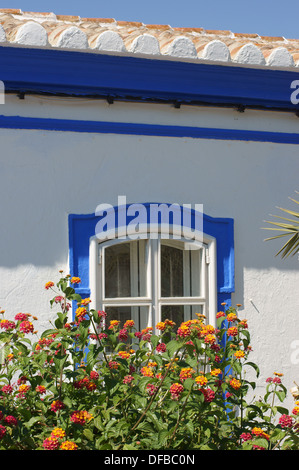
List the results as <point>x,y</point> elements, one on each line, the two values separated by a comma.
<point>150,280</point>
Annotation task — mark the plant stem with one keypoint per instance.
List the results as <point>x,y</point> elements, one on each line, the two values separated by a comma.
<point>180,416</point>
<point>156,392</point>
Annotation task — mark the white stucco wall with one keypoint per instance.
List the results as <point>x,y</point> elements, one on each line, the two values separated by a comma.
<point>47,175</point>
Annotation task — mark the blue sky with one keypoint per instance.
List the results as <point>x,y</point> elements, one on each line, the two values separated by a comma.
<point>265,17</point>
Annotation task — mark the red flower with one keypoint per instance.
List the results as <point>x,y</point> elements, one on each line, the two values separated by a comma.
<point>286,421</point>
<point>51,443</point>
<point>161,347</point>
<point>123,335</point>
<point>2,431</point>
<point>7,389</point>
<point>246,436</point>
<point>208,393</point>
<point>11,420</point>
<point>94,375</point>
<point>26,327</point>
<point>57,405</point>
<point>176,390</point>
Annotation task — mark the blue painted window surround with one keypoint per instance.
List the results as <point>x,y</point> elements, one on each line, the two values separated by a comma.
<point>82,228</point>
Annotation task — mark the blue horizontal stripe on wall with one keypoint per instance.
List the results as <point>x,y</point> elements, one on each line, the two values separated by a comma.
<point>85,73</point>
<point>101,127</point>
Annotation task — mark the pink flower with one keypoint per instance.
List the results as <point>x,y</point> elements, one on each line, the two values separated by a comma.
<point>286,421</point>
<point>161,347</point>
<point>26,327</point>
<point>208,393</point>
<point>246,436</point>
<point>123,335</point>
<point>21,316</point>
<point>151,388</point>
<point>7,389</point>
<point>128,379</point>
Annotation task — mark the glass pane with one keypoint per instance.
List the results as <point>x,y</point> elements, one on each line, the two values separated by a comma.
<point>125,269</point>
<point>181,269</point>
<point>137,313</point>
<point>171,271</point>
<point>180,313</point>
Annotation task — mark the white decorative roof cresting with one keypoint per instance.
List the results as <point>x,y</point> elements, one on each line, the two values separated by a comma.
<point>47,30</point>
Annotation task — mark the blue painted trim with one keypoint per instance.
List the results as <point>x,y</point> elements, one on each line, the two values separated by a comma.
<point>94,74</point>
<point>83,226</point>
<point>101,127</point>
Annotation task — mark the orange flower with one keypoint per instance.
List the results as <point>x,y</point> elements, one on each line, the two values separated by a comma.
<point>49,284</point>
<point>220,314</point>
<point>129,324</point>
<point>208,329</point>
<point>231,317</point>
<point>113,323</point>
<point>260,433</point>
<point>85,301</point>
<point>147,371</point>
<point>216,372</point>
<point>232,331</point>
<point>75,280</point>
<point>186,373</point>
<point>124,354</point>
<point>161,326</point>
<point>235,383</point>
<point>210,339</point>
<point>68,445</point>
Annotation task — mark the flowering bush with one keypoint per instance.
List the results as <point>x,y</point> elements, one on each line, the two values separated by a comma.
<point>84,384</point>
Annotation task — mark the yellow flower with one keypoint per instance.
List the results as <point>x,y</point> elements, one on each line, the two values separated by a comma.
<point>85,301</point>
<point>68,445</point>
<point>201,380</point>
<point>58,432</point>
<point>75,280</point>
<point>239,354</point>
<point>80,311</point>
<point>216,372</point>
<point>161,326</point>
<point>231,317</point>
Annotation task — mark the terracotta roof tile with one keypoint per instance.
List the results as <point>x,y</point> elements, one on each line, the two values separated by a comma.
<point>47,29</point>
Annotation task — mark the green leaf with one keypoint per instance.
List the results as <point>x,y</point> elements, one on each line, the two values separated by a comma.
<point>255,367</point>
<point>154,340</point>
<point>172,347</point>
<point>88,434</point>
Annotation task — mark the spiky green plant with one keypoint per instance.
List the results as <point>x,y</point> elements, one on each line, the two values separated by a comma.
<point>290,228</point>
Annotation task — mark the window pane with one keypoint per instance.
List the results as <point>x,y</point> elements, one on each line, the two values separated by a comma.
<point>180,313</point>
<point>181,269</point>
<point>171,271</point>
<point>125,269</point>
<point>137,313</point>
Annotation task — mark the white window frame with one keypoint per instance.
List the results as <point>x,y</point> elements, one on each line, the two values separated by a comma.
<point>153,300</point>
